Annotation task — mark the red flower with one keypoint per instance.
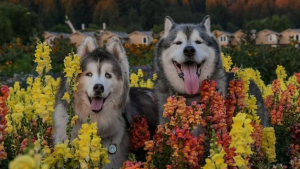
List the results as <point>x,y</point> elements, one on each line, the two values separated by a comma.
<point>4,89</point>
<point>298,77</point>
<point>139,133</point>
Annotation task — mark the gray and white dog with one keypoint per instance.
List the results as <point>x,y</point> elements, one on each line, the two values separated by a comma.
<point>104,93</point>
<point>185,56</point>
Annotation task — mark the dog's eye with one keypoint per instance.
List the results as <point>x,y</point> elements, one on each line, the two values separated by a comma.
<point>178,43</point>
<point>107,75</point>
<point>89,74</point>
<point>198,41</point>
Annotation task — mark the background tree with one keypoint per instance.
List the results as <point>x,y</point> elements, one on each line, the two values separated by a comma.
<point>19,23</point>
<point>152,13</point>
<point>217,9</point>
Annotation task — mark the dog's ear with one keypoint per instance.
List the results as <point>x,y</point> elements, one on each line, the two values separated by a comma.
<point>168,25</point>
<point>114,47</point>
<point>87,46</point>
<point>206,23</point>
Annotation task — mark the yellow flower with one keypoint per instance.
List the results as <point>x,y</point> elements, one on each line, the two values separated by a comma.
<point>227,62</point>
<point>241,136</point>
<point>140,73</point>
<point>66,97</point>
<point>154,76</point>
<point>88,147</point>
<point>149,84</point>
<point>72,66</point>
<point>42,58</point>
<point>281,75</point>
<point>74,120</point>
<point>216,161</point>
<point>23,162</point>
<point>268,143</point>
<point>240,162</point>
<point>134,79</point>
<point>280,72</point>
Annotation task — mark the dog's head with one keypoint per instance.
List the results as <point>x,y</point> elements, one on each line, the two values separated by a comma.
<point>104,76</point>
<point>187,54</point>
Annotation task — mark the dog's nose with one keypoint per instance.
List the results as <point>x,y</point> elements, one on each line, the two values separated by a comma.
<point>98,88</point>
<point>189,51</point>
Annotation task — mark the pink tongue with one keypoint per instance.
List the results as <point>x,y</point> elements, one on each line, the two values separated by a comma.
<point>97,104</point>
<point>191,81</point>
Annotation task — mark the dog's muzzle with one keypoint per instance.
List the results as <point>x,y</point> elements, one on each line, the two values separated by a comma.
<point>189,72</point>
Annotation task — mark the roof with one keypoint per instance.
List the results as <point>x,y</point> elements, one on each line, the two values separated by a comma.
<point>147,33</point>
<point>271,32</point>
<point>58,34</point>
<point>238,31</point>
<point>223,32</point>
<point>295,30</point>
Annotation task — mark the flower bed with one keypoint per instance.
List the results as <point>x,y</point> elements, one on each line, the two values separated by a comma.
<point>232,136</point>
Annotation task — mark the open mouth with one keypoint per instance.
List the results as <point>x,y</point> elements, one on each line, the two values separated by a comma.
<point>96,103</point>
<point>190,72</point>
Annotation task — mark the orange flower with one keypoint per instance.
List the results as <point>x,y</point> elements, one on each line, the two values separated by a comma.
<point>276,87</point>
<point>298,77</point>
<point>139,133</point>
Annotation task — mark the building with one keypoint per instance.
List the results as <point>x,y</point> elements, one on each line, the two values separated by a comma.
<point>238,37</point>
<point>267,37</point>
<point>223,38</point>
<point>77,37</point>
<point>50,36</point>
<point>289,35</point>
<point>140,37</point>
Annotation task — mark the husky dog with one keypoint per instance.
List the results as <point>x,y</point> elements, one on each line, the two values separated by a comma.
<point>103,93</point>
<point>185,56</point>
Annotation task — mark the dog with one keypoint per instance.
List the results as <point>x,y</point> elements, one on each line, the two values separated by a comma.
<point>104,93</point>
<point>185,56</point>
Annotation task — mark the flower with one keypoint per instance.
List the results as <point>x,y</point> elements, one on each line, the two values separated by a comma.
<point>23,162</point>
<point>42,58</point>
<point>139,133</point>
<point>72,66</point>
<point>88,147</point>
<point>227,62</point>
<point>74,119</point>
<point>268,143</point>
<point>241,136</point>
<point>66,97</point>
<point>216,161</point>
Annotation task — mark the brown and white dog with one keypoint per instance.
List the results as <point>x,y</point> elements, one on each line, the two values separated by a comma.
<point>104,94</point>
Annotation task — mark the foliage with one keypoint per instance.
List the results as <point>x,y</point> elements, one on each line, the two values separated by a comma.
<point>275,23</point>
<point>157,28</point>
<point>265,58</point>
<point>131,15</point>
<point>16,58</point>
<point>61,28</point>
<point>139,55</point>
<point>232,135</point>
<point>61,47</point>
<point>19,22</point>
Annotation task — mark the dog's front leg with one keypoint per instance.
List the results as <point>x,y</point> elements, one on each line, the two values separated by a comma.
<point>60,124</point>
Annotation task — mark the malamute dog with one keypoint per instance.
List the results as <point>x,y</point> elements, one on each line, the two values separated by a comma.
<point>103,93</point>
<point>185,56</point>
